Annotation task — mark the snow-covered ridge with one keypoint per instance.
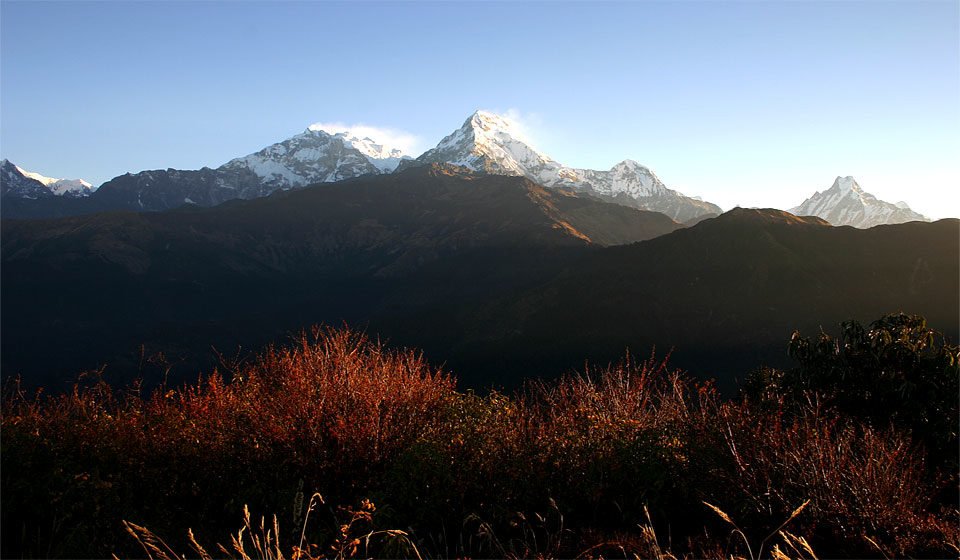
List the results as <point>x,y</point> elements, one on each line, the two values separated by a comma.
<point>381,155</point>
<point>486,143</point>
<point>318,156</point>
<point>59,187</point>
<point>847,184</point>
<point>845,203</point>
<point>494,144</point>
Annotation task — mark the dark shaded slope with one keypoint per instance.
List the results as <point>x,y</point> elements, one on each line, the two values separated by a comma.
<point>728,292</point>
<point>82,291</point>
<point>160,189</point>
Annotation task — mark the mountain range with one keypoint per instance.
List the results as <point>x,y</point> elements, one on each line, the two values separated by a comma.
<point>485,253</point>
<point>101,284</point>
<point>496,276</point>
<point>485,143</point>
<point>491,144</point>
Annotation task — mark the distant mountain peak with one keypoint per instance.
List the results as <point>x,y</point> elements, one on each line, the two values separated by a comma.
<point>20,183</point>
<point>495,144</point>
<point>492,123</point>
<point>487,118</point>
<point>485,143</point>
<point>631,166</point>
<point>321,154</point>
<point>360,140</point>
<point>59,186</point>
<point>490,143</point>
<point>847,184</point>
<point>845,203</point>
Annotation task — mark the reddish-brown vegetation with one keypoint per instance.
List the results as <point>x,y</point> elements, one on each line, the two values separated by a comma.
<point>609,460</point>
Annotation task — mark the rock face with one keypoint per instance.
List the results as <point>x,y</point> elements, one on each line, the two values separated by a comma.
<point>846,204</point>
<point>16,182</point>
<point>489,143</point>
<point>158,190</point>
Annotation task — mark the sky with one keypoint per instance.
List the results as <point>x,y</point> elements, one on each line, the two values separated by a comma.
<point>741,103</point>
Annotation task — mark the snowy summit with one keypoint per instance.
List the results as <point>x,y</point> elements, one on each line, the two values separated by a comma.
<point>318,156</point>
<point>21,183</point>
<point>846,204</point>
<point>494,144</point>
<point>384,157</point>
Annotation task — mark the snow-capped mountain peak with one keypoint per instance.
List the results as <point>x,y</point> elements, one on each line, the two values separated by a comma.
<point>495,126</point>
<point>24,184</point>
<point>382,155</point>
<point>845,203</point>
<point>59,187</point>
<point>631,167</point>
<point>494,144</point>
<point>847,184</point>
<point>321,154</point>
<point>631,178</point>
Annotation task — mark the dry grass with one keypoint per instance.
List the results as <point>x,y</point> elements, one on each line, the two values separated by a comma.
<point>585,465</point>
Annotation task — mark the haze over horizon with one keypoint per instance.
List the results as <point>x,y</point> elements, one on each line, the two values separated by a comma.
<point>750,104</point>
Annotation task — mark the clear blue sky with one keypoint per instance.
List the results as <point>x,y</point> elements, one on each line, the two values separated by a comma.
<point>749,103</point>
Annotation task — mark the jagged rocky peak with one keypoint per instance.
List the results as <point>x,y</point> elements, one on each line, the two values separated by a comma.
<point>14,184</point>
<point>847,184</point>
<point>845,203</point>
<point>631,177</point>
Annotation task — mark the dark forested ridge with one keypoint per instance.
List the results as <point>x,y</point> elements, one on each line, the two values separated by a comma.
<point>495,276</point>
<point>248,272</point>
<point>725,292</point>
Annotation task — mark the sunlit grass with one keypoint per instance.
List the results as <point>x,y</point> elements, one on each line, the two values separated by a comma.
<point>613,461</point>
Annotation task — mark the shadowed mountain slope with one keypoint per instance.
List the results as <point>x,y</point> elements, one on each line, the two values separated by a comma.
<point>496,276</point>
<point>249,271</point>
<point>729,291</point>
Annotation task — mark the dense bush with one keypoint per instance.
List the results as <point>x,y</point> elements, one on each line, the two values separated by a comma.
<point>860,482</point>
<point>897,371</point>
<point>556,470</point>
<point>327,414</point>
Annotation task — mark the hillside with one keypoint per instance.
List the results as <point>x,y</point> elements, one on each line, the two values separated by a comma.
<point>727,291</point>
<point>247,272</point>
